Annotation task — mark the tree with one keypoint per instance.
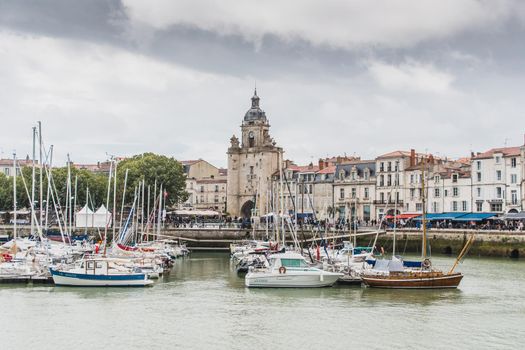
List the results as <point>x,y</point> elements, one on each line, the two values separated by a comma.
<point>153,168</point>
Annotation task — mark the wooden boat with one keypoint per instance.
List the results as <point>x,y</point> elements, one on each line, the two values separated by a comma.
<point>414,280</point>
<point>424,277</point>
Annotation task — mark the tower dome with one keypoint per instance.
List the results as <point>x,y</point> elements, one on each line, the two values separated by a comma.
<point>255,113</point>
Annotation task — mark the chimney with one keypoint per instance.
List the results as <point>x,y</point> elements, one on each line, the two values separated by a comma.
<point>472,154</point>
<point>431,159</point>
<point>412,157</point>
<point>321,164</point>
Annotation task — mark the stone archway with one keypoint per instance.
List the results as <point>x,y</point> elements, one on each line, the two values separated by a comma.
<point>246,209</point>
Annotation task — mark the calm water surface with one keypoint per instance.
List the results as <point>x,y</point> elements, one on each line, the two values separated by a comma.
<point>203,304</point>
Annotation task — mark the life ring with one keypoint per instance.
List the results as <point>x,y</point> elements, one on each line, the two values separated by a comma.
<point>426,263</point>
<point>282,269</point>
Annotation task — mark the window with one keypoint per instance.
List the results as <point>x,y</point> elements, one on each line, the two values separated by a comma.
<point>435,207</point>
<point>251,170</point>
<point>382,167</point>
<point>353,192</point>
<point>353,175</point>
<point>464,206</point>
<point>367,174</point>
<point>366,192</point>
<point>436,192</point>
<point>216,199</point>
<point>454,177</point>
<point>514,197</point>
<point>419,207</point>
<point>496,207</point>
<point>436,179</point>
<point>389,180</point>
<point>216,188</point>
<point>293,263</point>
<point>381,180</point>
<point>478,191</point>
<point>342,193</point>
<point>454,206</point>
<point>382,197</point>
<point>479,206</point>
<point>389,166</point>
<point>513,162</point>
<point>498,192</point>
<point>513,179</point>
<point>478,165</point>
<point>411,178</point>
<point>446,193</point>
<point>498,175</point>
<point>6,171</point>
<point>412,192</point>
<point>498,158</point>
<point>479,177</point>
<point>455,191</point>
<point>396,166</point>
<point>202,188</point>
<point>396,180</point>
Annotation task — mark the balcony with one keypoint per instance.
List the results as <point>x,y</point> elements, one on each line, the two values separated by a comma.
<point>385,202</point>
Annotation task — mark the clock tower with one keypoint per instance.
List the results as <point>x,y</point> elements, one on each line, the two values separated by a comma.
<point>251,162</point>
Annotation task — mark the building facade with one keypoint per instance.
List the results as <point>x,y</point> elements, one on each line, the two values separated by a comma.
<point>354,190</point>
<point>497,180</point>
<point>206,185</point>
<point>251,163</point>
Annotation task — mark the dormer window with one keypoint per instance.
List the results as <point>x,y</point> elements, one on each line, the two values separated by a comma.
<point>342,174</point>
<point>454,177</point>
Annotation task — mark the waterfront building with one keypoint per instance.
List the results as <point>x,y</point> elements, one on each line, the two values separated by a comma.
<point>449,188</point>
<point>497,180</point>
<point>251,163</point>
<point>391,186</point>
<point>206,185</point>
<point>6,165</point>
<point>355,190</point>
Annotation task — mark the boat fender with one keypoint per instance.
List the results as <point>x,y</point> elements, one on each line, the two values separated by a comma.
<point>282,269</point>
<point>427,263</point>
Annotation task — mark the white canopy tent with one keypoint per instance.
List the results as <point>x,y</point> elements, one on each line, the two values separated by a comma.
<point>102,217</point>
<point>84,217</point>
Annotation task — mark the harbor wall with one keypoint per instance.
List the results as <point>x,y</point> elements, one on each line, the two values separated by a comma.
<point>442,241</point>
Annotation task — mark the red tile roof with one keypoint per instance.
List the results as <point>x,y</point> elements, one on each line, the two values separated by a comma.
<point>506,151</point>
<point>328,170</point>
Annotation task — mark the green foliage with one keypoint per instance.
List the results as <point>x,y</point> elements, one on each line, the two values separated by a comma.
<point>148,166</point>
<point>153,169</point>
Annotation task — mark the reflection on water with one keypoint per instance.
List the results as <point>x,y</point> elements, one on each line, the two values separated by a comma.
<point>203,304</point>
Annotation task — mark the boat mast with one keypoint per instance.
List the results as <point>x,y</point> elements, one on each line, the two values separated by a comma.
<point>424,218</point>
<point>33,183</point>
<point>49,177</point>
<point>123,199</point>
<point>396,181</point>
<point>107,211</point>
<point>114,200</point>
<point>281,195</point>
<point>14,195</point>
<point>159,219</point>
<point>41,188</point>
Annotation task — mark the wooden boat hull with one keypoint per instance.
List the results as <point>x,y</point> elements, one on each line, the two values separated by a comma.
<point>414,282</point>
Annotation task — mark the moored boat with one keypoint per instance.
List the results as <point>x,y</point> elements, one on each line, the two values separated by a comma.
<point>290,270</point>
<point>99,272</point>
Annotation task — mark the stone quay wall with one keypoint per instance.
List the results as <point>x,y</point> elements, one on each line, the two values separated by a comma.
<point>442,241</point>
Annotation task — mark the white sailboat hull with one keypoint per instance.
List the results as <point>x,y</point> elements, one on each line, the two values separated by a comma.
<point>291,279</point>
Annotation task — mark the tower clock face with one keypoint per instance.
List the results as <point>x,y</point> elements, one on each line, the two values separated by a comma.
<point>251,134</point>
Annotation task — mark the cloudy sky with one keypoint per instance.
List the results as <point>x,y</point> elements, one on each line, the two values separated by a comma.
<point>175,77</point>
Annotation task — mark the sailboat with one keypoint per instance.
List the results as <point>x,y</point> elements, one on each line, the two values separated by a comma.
<point>392,273</point>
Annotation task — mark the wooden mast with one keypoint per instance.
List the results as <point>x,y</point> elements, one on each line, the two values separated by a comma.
<point>424,218</point>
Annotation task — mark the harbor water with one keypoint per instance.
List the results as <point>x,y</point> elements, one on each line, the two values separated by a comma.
<point>203,304</point>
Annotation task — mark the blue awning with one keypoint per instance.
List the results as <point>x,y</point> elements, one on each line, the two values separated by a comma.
<point>441,216</point>
<point>475,217</point>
